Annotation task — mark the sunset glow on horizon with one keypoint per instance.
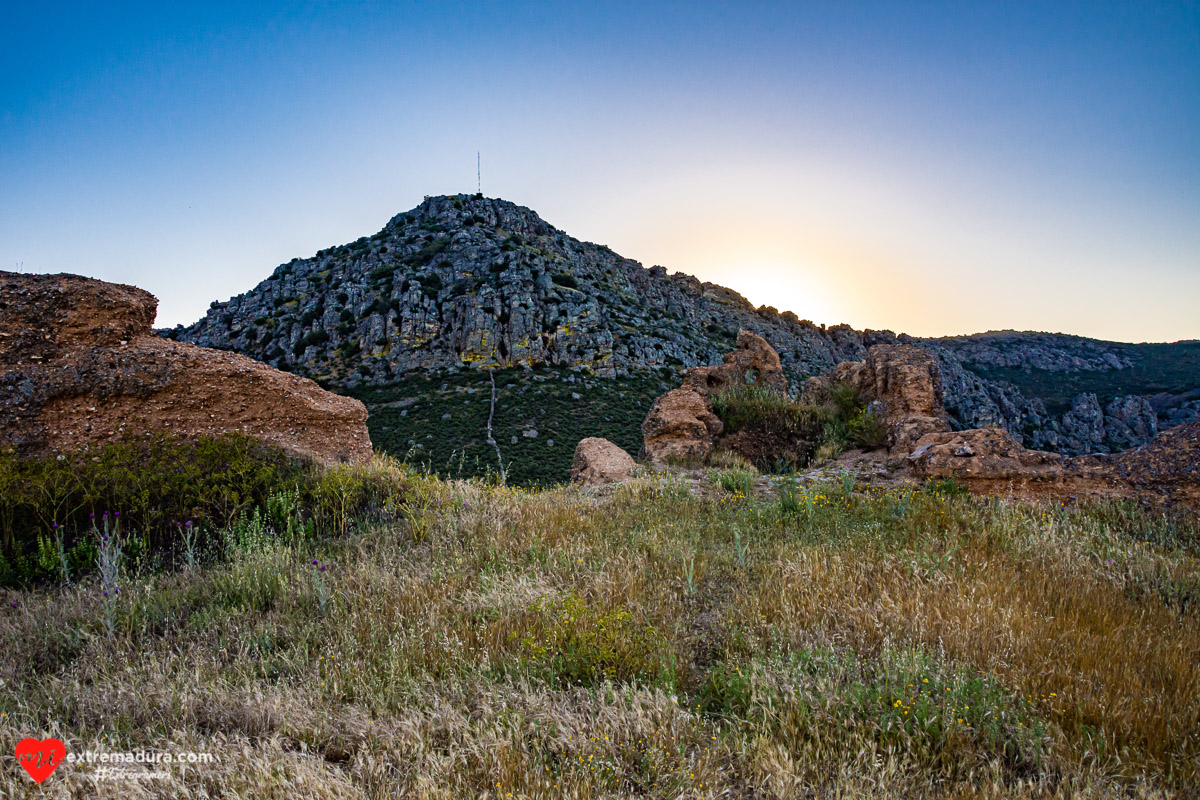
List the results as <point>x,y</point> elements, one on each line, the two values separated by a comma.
<point>933,169</point>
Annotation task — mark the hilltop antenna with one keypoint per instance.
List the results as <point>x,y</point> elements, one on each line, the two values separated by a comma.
<point>478,174</point>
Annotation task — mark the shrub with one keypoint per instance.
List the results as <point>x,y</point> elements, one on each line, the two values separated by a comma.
<point>563,279</point>
<point>867,431</point>
<point>152,485</point>
<point>768,429</point>
<point>757,406</point>
<point>578,642</point>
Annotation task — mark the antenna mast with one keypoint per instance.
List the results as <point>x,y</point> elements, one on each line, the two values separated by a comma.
<point>478,179</point>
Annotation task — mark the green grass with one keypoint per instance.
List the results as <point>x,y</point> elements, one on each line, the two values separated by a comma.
<point>735,480</point>
<point>473,640</point>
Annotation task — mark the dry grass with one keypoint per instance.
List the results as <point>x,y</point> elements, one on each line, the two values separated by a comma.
<point>648,643</point>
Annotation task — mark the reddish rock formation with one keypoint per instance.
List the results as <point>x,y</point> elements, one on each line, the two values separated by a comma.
<point>599,462</point>
<point>982,454</point>
<point>681,425</point>
<point>753,361</point>
<point>79,364</point>
<point>989,460</point>
<point>903,386</point>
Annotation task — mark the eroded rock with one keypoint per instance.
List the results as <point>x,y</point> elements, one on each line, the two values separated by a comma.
<point>79,365</point>
<point>902,386</point>
<point>681,425</point>
<point>753,362</point>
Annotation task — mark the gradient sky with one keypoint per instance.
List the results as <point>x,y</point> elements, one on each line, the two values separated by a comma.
<point>932,168</point>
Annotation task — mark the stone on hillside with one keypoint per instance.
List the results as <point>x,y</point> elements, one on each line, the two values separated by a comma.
<point>1130,421</point>
<point>598,461</point>
<point>681,425</point>
<point>79,365</point>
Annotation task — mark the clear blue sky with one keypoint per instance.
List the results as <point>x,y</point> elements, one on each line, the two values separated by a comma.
<point>935,168</point>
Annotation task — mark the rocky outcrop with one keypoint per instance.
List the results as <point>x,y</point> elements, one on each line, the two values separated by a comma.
<point>79,364</point>
<point>902,386</point>
<point>1168,465</point>
<point>681,426</point>
<point>988,455</point>
<point>599,462</point>
<point>1130,421</point>
<point>989,460</point>
<point>753,362</point>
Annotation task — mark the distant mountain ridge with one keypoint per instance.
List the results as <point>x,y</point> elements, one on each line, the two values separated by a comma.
<point>464,282</point>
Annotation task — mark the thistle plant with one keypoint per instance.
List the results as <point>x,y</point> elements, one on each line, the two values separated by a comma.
<point>108,561</point>
<point>190,536</point>
<point>740,548</point>
<point>320,589</point>
<point>848,481</point>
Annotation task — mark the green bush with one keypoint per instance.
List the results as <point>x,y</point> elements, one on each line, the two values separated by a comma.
<point>866,430</point>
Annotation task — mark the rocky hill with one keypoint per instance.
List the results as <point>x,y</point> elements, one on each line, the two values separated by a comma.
<point>405,319</point>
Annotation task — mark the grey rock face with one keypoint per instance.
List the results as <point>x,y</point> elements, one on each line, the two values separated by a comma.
<point>1130,421</point>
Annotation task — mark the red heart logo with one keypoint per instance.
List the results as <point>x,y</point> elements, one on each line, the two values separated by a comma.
<point>40,758</point>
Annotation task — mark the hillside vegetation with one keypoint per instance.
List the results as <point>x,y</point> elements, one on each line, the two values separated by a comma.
<point>669,638</point>
<point>440,421</point>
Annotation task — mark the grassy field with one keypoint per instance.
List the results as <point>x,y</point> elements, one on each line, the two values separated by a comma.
<point>668,639</point>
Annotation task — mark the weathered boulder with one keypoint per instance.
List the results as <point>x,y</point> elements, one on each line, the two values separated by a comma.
<point>598,462</point>
<point>902,385</point>
<point>752,362</point>
<point>681,425</point>
<point>982,454</point>
<point>79,365</point>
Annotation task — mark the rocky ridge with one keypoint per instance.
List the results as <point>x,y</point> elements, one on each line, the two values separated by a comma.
<point>466,281</point>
